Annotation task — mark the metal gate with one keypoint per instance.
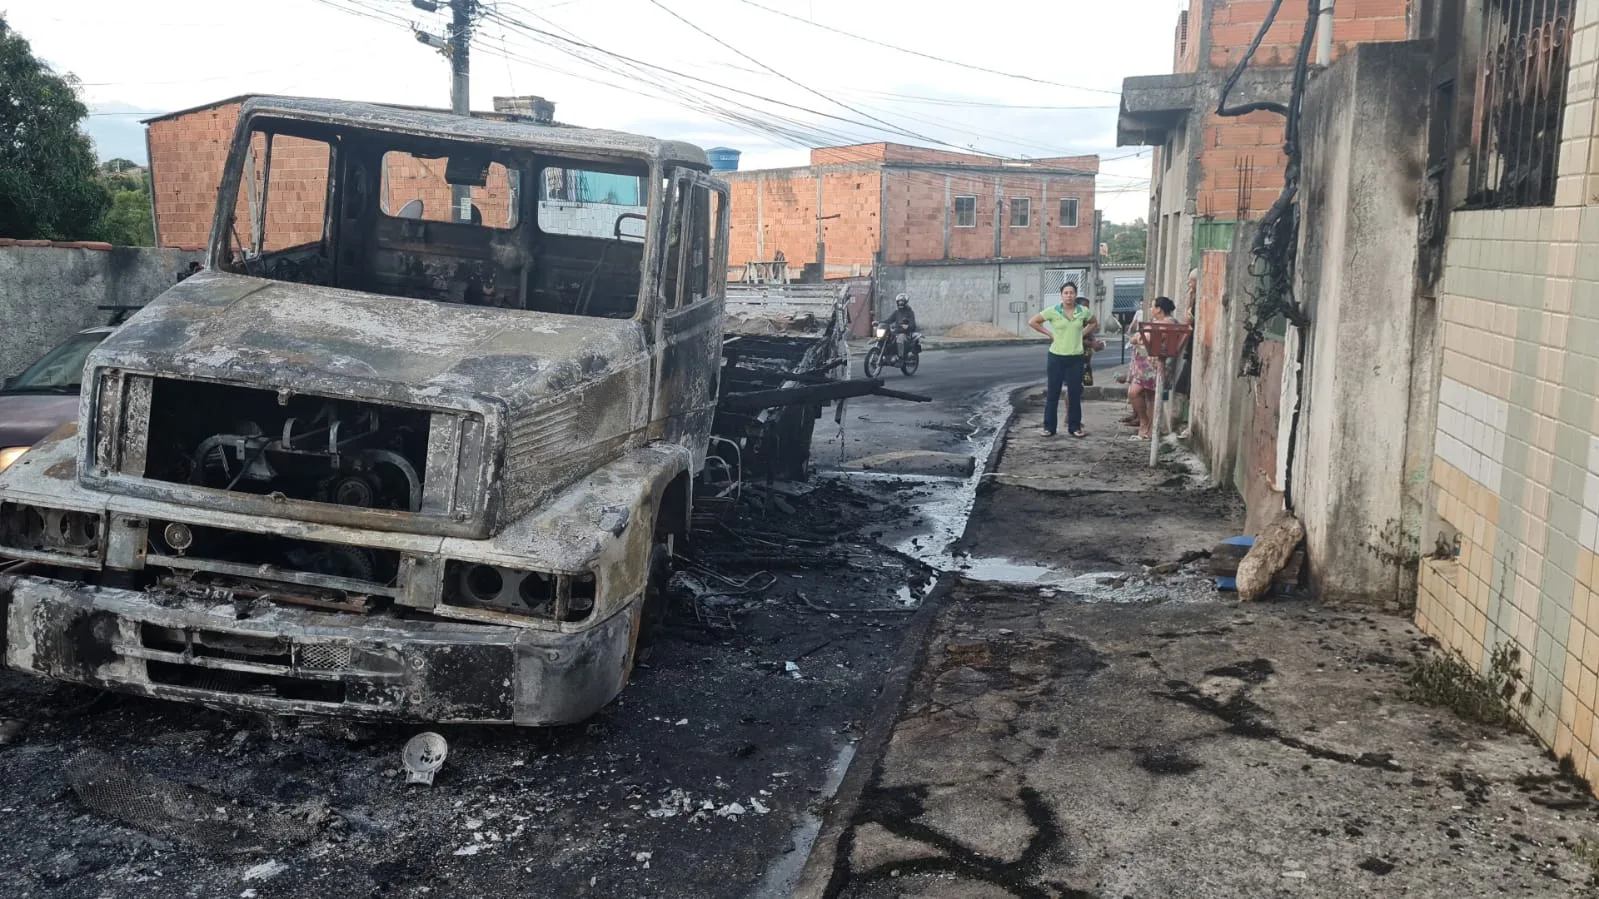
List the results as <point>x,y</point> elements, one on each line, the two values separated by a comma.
<point>1056,278</point>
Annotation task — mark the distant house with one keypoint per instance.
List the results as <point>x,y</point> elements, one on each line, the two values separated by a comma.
<point>967,237</point>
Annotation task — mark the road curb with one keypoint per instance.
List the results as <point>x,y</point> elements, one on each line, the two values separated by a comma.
<point>822,869</point>
<point>1096,394</point>
<point>934,344</point>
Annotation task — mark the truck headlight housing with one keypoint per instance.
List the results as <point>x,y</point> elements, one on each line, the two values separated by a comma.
<point>556,597</point>
<point>45,530</point>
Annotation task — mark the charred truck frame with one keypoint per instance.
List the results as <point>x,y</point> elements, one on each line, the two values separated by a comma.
<point>394,457</point>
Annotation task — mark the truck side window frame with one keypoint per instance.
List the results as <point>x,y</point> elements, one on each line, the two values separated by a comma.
<point>687,270</point>
<point>676,196</point>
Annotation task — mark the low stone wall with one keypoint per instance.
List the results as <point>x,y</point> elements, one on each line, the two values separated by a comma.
<point>49,291</point>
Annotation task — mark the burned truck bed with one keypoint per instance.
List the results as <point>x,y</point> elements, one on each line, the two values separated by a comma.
<point>785,358</point>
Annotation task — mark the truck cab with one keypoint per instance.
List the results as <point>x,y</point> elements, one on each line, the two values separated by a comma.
<point>417,442</point>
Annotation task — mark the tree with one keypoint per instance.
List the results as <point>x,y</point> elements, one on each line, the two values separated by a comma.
<point>48,184</point>
<point>129,221</point>
<point>1125,244</point>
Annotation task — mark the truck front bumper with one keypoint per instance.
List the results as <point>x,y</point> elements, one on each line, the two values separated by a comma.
<point>257,656</point>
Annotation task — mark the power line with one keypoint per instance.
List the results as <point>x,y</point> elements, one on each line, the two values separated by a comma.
<point>800,85</point>
<point>738,114</point>
<point>972,104</point>
<point>873,41</point>
<point>570,45</point>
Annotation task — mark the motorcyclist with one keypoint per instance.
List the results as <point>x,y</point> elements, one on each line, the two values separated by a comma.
<point>902,324</point>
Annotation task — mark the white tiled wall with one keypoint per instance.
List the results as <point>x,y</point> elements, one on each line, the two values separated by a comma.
<point>1589,536</point>
<point>1471,432</point>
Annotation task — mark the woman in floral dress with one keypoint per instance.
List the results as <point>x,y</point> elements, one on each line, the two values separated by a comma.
<point>1141,373</point>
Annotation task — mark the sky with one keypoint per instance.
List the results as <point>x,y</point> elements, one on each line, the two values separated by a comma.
<point>767,77</point>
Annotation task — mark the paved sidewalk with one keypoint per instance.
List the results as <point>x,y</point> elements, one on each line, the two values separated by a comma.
<point>1089,718</point>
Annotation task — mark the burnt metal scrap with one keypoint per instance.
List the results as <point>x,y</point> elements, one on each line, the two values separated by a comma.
<point>785,358</point>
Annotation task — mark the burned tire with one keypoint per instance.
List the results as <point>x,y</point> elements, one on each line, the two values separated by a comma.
<point>653,617</point>
<point>874,362</point>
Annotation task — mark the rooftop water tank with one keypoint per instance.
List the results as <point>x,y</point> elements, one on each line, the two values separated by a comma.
<point>723,159</point>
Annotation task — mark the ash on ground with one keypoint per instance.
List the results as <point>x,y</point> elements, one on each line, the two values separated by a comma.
<point>784,618</point>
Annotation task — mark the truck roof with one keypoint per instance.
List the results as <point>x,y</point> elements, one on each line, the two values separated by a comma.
<point>478,128</point>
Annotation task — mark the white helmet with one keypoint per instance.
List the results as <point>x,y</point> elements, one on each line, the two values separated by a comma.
<point>901,300</point>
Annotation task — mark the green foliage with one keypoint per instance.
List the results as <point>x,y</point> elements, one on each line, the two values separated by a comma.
<point>1587,853</point>
<point>1125,244</point>
<point>48,184</point>
<point>1494,697</point>
<point>128,222</point>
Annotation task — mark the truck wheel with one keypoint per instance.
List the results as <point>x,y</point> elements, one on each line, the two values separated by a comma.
<point>653,617</point>
<point>874,362</point>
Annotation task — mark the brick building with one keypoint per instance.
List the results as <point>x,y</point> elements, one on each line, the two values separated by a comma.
<point>966,236</point>
<point>1209,168</point>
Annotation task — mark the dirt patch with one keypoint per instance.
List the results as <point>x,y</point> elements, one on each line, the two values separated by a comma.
<point>979,331</point>
<point>1088,531</point>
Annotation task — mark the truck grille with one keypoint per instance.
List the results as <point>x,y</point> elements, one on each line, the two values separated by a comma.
<point>288,454</point>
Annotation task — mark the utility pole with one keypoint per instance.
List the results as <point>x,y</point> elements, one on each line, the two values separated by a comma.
<point>461,89</point>
<point>458,48</point>
<point>1094,261</point>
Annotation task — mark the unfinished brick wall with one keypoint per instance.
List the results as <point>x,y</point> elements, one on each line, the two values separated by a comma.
<point>1229,146</point>
<point>917,215</point>
<point>408,178</point>
<point>1255,141</point>
<point>296,195</point>
<point>1234,23</point>
<point>776,210</point>
<point>187,153</point>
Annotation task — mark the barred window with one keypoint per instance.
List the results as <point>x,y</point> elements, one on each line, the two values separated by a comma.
<point>1519,104</point>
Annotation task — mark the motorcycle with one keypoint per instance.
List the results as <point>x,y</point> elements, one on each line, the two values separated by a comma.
<point>886,351</point>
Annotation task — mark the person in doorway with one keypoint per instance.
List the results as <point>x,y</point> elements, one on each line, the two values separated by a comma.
<point>1141,380</point>
<point>902,324</point>
<point>1067,325</point>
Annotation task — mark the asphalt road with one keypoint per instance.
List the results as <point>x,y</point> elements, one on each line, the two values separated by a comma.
<point>957,380</point>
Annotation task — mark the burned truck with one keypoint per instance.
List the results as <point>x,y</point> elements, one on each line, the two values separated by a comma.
<point>419,441</point>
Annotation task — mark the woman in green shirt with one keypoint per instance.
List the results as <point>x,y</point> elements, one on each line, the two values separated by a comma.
<point>1068,325</point>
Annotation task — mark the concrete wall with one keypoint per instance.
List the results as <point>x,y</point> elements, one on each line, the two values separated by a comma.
<point>1235,420</point>
<point>946,295</point>
<point>1516,472</point>
<point>1171,219</point>
<point>48,293</point>
<point>1365,127</point>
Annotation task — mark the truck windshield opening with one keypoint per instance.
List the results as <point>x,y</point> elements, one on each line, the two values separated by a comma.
<point>435,219</point>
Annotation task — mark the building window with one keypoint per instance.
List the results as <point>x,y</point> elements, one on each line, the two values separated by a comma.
<point>1521,99</point>
<point>1021,212</point>
<point>965,212</point>
<point>1068,212</point>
